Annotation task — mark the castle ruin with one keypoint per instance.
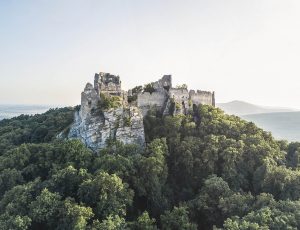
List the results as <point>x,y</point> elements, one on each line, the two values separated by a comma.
<point>107,84</point>
<point>164,96</point>
<point>95,125</point>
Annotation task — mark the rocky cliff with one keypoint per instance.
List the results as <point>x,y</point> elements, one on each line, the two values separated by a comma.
<point>125,125</point>
<point>95,125</point>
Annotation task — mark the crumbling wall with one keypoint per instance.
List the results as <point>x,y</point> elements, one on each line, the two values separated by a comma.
<point>179,95</point>
<point>107,83</point>
<point>97,81</point>
<point>181,99</point>
<point>165,83</point>
<point>202,97</point>
<point>89,100</point>
<point>146,101</point>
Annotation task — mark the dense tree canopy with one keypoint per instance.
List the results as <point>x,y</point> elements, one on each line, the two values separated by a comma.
<point>204,170</point>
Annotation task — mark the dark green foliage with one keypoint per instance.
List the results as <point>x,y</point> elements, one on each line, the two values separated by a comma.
<point>106,194</point>
<point>293,155</point>
<point>198,171</point>
<point>34,129</point>
<point>172,106</point>
<point>132,98</point>
<point>144,222</point>
<point>183,86</point>
<point>135,91</point>
<point>149,88</point>
<point>177,219</point>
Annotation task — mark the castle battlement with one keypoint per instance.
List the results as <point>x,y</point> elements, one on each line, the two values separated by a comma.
<point>193,92</point>
<point>146,101</point>
<point>165,83</point>
<point>160,96</point>
<point>202,97</point>
<point>179,93</point>
<point>164,95</point>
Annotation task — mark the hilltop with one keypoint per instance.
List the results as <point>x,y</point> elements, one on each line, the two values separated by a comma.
<point>195,172</point>
<point>196,168</point>
<point>109,113</point>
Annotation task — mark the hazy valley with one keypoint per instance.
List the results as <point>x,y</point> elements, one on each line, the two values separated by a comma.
<point>9,111</point>
<point>283,123</point>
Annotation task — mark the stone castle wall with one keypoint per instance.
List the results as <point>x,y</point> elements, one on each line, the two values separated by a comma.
<point>202,97</point>
<point>108,84</point>
<point>89,100</point>
<point>146,101</point>
<point>164,83</point>
<point>165,95</point>
<point>181,99</point>
<point>179,94</point>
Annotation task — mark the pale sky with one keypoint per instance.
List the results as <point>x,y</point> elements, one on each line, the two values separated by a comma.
<point>241,49</point>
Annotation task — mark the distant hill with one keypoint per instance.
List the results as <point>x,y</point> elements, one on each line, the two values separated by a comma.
<point>282,125</point>
<point>241,108</point>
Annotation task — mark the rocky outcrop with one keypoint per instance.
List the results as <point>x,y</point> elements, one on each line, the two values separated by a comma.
<point>122,124</point>
<point>95,125</point>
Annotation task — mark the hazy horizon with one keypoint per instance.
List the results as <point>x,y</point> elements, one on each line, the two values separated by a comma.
<point>242,50</point>
<point>16,105</point>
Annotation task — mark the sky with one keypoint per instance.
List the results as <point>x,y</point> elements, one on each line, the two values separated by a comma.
<point>242,49</point>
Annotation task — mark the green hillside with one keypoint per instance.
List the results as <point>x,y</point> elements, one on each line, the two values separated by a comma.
<point>204,170</point>
<point>282,125</point>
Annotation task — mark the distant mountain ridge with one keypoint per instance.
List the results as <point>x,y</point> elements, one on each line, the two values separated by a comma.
<point>283,123</point>
<point>241,108</point>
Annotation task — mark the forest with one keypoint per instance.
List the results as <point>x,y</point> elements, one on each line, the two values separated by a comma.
<point>206,170</point>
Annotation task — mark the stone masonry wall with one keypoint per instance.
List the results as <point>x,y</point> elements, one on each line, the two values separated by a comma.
<point>181,98</point>
<point>164,83</point>
<point>146,100</point>
<point>89,100</point>
<point>108,84</point>
<point>202,97</point>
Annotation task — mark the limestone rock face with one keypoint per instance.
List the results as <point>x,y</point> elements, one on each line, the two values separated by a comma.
<point>122,124</point>
<point>89,100</point>
<point>95,126</point>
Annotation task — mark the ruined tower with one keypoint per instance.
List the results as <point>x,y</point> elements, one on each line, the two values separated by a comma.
<point>108,84</point>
